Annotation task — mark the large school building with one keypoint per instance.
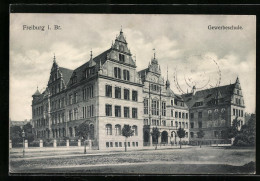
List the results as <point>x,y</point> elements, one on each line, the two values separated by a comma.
<point>108,92</point>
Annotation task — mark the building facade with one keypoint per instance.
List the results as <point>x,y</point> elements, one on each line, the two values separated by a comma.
<point>107,92</point>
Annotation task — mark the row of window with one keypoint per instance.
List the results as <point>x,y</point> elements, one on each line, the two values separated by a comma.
<point>41,122</point>
<point>38,111</point>
<point>238,112</point>
<point>163,123</point>
<point>238,101</point>
<point>56,89</point>
<point>118,111</point>
<point>88,111</point>
<point>119,144</point>
<point>57,104</point>
<point>118,93</point>
<point>117,74</point>
<point>118,130</point>
<point>58,118</point>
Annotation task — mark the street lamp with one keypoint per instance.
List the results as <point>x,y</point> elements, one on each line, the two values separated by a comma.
<point>23,135</point>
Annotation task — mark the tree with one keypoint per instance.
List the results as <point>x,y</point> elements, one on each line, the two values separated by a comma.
<point>127,132</point>
<point>200,135</point>
<point>82,131</point>
<point>181,134</point>
<point>232,131</point>
<point>28,132</point>
<point>16,134</point>
<point>246,136</point>
<point>155,134</point>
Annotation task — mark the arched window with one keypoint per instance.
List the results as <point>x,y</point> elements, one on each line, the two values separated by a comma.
<point>117,72</point>
<point>109,129</point>
<point>91,131</point>
<point>118,129</point>
<point>135,130</point>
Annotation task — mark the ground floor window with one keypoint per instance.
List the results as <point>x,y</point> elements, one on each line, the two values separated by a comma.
<point>107,144</point>
<point>116,144</point>
<point>136,144</point>
<point>111,144</point>
<point>128,144</point>
<point>120,144</point>
<point>133,144</point>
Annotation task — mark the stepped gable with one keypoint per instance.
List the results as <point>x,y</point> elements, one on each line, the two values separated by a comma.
<point>206,96</point>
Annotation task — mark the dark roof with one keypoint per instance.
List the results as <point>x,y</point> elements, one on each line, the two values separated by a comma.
<point>37,93</point>
<point>79,72</point>
<point>66,74</point>
<point>207,95</point>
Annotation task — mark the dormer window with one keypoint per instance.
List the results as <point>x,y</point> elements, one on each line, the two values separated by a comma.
<point>121,58</point>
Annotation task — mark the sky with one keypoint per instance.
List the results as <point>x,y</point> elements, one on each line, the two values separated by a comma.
<point>183,43</point>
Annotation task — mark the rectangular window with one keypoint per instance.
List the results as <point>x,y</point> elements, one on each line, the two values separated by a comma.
<point>242,114</point>
<point>183,115</point>
<point>191,115</point>
<point>121,58</point>
<point>84,94</point>
<point>126,75</point>
<point>134,95</point>
<point>126,112</point>
<point>200,115</point>
<point>145,121</point>
<point>133,144</point>
<point>108,110</point>
<point>171,123</point>
<point>239,113</point>
<point>134,112</point>
<point>179,114</point>
<point>107,144</point>
<point>200,124</point>
<point>118,92</point>
<point>70,98</point>
<point>75,97</point>
<point>116,144</point>
<point>108,90</point>
<point>136,144</point>
<point>191,125</point>
<point>163,108</point>
<point>117,72</point>
<point>111,144</point>
<point>120,144</point>
<point>155,107</point>
<point>176,114</point>
<point>126,94</point>
<point>164,123</point>
<point>117,111</point>
<point>234,112</point>
<point>187,116</point>
<point>172,102</point>
<point>145,106</point>
<point>128,144</point>
<point>175,102</point>
<point>191,134</point>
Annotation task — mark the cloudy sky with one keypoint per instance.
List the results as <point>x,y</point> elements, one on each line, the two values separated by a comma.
<point>175,38</point>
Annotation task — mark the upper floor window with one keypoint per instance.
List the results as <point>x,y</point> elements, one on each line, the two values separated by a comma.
<point>75,97</point>
<point>164,123</point>
<point>175,102</point>
<point>121,58</point>
<point>200,115</point>
<point>117,72</point>
<point>234,112</point>
<point>118,129</point>
<point>172,102</point>
<point>237,92</point>
<point>145,106</point>
<point>126,94</point>
<point>134,95</point>
<point>108,110</point>
<point>135,130</point>
<point>155,107</point>
<point>108,90</point>
<point>70,98</point>
<point>134,112</point>
<point>126,74</point>
<point>163,108</point>
<point>200,124</point>
<point>183,115</point>
<point>187,116</point>
<point>70,115</point>
<point>118,92</point>
<point>126,112</point>
<point>176,114</point>
<point>192,125</point>
<point>191,115</point>
<point>117,111</point>
<point>84,93</point>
